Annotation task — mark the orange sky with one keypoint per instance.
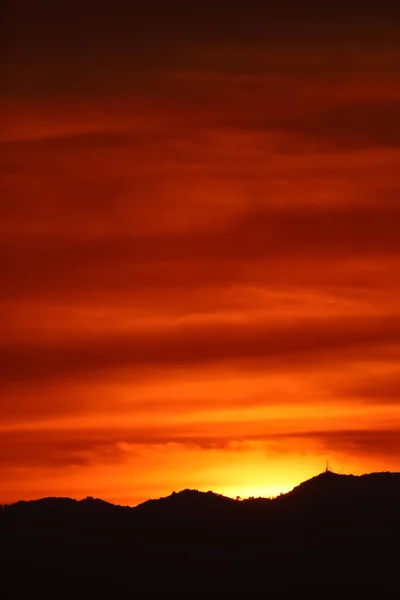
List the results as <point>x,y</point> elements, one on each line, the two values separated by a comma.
<point>200,249</point>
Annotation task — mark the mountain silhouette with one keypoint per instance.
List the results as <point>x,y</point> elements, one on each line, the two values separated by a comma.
<point>188,503</point>
<point>347,523</point>
<point>328,483</point>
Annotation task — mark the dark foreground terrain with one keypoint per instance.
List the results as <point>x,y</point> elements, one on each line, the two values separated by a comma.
<point>333,534</point>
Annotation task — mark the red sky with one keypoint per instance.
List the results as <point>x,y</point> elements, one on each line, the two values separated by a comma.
<point>200,247</point>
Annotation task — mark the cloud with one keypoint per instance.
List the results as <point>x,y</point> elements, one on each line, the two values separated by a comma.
<point>377,390</point>
<point>173,210</point>
<point>86,448</point>
<point>72,51</point>
<point>266,344</point>
<point>263,246</point>
<point>60,450</point>
<point>367,444</point>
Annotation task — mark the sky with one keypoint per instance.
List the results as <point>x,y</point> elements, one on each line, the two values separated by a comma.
<point>200,246</point>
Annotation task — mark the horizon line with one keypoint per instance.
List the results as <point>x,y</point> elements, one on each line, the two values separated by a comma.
<point>237,498</point>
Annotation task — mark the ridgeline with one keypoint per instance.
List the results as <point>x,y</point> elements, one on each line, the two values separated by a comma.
<point>341,529</point>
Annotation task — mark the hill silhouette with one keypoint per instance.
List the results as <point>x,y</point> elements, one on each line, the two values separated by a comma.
<point>345,523</point>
